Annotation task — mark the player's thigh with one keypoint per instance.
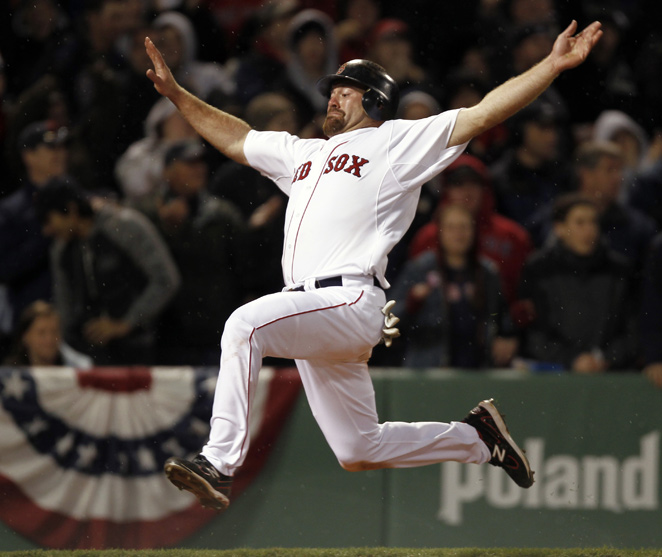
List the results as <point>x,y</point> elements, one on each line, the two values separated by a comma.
<point>334,323</point>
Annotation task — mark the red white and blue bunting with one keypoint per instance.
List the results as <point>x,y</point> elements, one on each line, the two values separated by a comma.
<point>82,452</point>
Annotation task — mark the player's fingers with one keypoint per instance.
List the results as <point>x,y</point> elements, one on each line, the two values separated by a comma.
<point>154,54</point>
<point>570,29</point>
<point>391,320</point>
<point>591,33</point>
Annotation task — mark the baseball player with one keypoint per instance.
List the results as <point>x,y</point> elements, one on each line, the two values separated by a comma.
<point>351,198</point>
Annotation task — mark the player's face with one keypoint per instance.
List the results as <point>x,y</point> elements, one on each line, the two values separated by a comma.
<point>345,110</point>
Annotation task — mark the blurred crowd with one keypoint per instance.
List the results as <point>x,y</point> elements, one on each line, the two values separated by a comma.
<point>126,240</point>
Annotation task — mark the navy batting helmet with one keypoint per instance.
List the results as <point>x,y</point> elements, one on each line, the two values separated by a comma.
<point>381,98</point>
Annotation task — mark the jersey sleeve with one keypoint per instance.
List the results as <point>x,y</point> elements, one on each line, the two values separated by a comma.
<point>419,148</point>
<point>273,155</point>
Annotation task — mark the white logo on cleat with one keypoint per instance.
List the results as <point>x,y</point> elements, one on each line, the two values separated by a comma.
<point>500,454</point>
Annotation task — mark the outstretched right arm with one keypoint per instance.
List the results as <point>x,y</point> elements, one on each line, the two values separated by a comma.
<point>225,132</point>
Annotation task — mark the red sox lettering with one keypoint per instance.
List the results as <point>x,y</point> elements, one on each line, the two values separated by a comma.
<point>339,162</point>
<point>302,172</point>
<point>334,164</point>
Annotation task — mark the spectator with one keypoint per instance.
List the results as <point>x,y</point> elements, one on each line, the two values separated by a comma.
<point>45,101</point>
<point>210,23</point>
<point>233,16</point>
<point>501,240</point>
<point>650,319</point>
<point>205,236</point>
<point>97,88</point>
<point>261,203</point>
<point>177,42</point>
<point>313,54</point>
<point>24,268</point>
<point>391,46</point>
<point>416,105</point>
<point>450,301</point>
<point>38,340</point>
<point>356,20</point>
<point>580,296</point>
<point>599,174</point>
<point>140,167</point>
<point>532,172</point>
<point>617,127</point>
<point>43,44</point>
<point>262,61</point>
<point>112,274</point>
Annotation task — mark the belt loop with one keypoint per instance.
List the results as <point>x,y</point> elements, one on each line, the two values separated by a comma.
<point>310,284</point>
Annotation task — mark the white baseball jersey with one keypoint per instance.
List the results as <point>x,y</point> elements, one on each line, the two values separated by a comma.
<point>352,197</point>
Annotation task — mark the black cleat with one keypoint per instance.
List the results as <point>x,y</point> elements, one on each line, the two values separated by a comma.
<point>506,454</point>
<point>200,478</point>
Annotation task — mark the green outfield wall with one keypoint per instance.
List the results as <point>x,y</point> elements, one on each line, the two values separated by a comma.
<point>594,443</point>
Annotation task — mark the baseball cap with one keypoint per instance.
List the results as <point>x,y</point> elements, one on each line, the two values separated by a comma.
<point>46,132</point>
<point>188,150</point>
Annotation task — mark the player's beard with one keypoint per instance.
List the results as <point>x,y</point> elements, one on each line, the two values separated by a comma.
<point>333,123</point>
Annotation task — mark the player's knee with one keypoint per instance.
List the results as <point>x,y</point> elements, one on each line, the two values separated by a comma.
<point>357,456</point>
<point>353,465</point>
<point>236,333</point>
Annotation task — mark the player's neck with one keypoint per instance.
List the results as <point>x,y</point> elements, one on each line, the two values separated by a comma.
<point>361,125</point>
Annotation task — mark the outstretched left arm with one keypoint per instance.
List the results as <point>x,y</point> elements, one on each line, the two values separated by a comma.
<point>569,51</point>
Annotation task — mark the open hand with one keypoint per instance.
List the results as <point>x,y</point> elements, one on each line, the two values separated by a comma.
<point>570,50</point>
<point>161,76</point>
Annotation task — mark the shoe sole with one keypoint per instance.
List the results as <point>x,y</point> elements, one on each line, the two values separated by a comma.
<point>503,429</point>
<point>186,480</point>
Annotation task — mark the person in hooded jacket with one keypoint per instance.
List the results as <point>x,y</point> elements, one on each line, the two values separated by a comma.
<point>313,54</point>
<point>206,237</point>
<point>138,171</point>
<point>618,127</point>
<point>177,42</point>
<point>499,239</point>
<point>450,303</point>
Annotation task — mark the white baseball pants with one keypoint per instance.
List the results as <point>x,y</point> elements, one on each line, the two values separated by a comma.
<point>330,333</point>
